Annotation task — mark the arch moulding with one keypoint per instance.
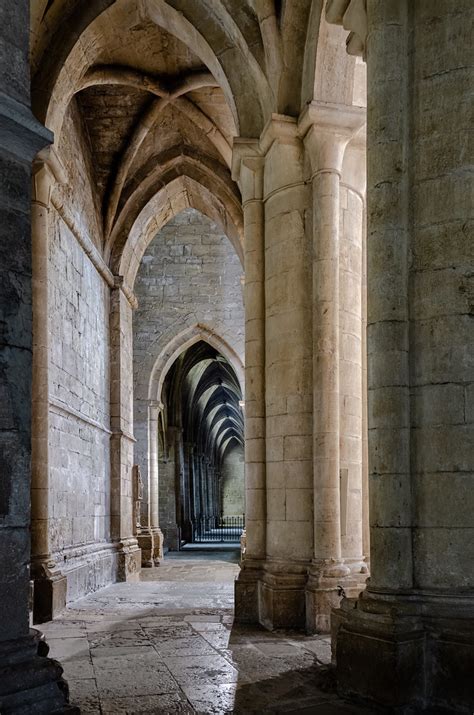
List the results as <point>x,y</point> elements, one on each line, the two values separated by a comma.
<point>181,342</point>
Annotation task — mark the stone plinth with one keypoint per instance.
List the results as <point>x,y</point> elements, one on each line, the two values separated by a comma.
<point>281,600</point>
<point>324,592</point>
<point>29,681</point>
<point>49,591</point>
<point>129,560</point>
<point>423,649</point>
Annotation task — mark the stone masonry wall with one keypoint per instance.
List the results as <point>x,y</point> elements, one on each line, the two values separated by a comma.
<point>79,444</point>
<point>190,274</point>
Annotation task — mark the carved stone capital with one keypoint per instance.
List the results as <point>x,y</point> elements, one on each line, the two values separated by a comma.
<point>326,129</point>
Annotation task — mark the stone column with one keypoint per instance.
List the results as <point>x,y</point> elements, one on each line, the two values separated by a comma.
<point>207,487</point>
<point>352,363</point>
<point>195,468</point>
<point>211,492</point>
<point>122,439</point>
<point>187,526</point>
<point>179,472</point>
<point>326,129</point>
<point>140,433</point>
<point>408,641</point>
<point>247,170</point>
<point>170,498</point>
<point>288,378</point>
<point>150,537</point>
<point>202,487</point>
<point>49,593</point>
<point>365,430</point>
<point>154,409</point>
<point>28,680</point>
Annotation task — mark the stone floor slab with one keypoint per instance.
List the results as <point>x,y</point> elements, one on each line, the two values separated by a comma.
<point>168,645</point>
<point>169,703</point>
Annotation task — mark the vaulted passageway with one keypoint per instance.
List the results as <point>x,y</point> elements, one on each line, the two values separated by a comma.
<point>169,645</point>
<point>203,418</point>
<point>188,341</point>
<point>202,233</point>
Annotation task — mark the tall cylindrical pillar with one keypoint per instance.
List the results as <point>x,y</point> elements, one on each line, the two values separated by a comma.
<point>352,325</point>
<point>288,378</point>
<point>154,408</point>
<point>327,130</point>
<point>248,172</point>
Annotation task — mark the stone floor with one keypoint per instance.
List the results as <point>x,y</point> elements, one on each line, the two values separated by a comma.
<point>168,645</point>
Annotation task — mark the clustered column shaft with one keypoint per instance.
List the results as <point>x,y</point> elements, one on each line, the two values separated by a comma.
<point>293,448</point>
<point>327,131</point>
<point>248,170</point>
<point>156,534</point>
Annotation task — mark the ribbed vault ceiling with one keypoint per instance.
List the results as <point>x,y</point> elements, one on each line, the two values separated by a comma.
<point>203,396</point>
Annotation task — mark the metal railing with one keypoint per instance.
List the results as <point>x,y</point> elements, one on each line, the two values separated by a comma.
<point>215,529</point>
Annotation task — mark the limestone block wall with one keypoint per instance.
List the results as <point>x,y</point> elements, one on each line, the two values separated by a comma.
<point>189,275</point>
<point>232,480</point>
<point>75,198</point>
<point>79,389</point>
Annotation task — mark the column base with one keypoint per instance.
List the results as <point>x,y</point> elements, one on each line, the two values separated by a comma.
<point>129,560</point>
<point>271,593</point>
<point>145,543</point>
<point>246,592</point>
<point>243,546</point>
<point>172,537</point>
<point>49,590</point>
<point>157,555</point>
<point>282,600</point>
<point>29,681</point>
<point>328,583</point>
<point>406,654</point>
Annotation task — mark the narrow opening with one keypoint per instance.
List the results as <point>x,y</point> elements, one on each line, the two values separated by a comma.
<point>201,494</point>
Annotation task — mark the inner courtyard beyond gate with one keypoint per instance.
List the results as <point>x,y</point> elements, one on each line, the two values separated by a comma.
<point>236,356</point>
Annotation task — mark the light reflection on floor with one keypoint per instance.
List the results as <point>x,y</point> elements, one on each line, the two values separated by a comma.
<point>168,645</point>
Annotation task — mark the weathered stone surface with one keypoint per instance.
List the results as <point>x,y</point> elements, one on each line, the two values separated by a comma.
<point>251,114</point>
<point>394,646</point>
<point>180,651</point>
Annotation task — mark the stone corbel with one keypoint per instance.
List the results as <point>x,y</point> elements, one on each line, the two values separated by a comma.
<point>247,168</point>
<point>47,170</point>
<point>352,15</point>
<point>119,283</point>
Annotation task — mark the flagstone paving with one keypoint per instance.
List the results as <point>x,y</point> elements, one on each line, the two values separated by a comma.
<point>168,645</point>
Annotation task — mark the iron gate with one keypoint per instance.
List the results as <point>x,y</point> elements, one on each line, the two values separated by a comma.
<point>214,529</point>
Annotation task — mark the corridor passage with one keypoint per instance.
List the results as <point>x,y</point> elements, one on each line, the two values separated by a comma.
<point>168,645</point>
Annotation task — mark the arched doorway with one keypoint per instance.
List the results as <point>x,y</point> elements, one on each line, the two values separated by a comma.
<point>201,487</point>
